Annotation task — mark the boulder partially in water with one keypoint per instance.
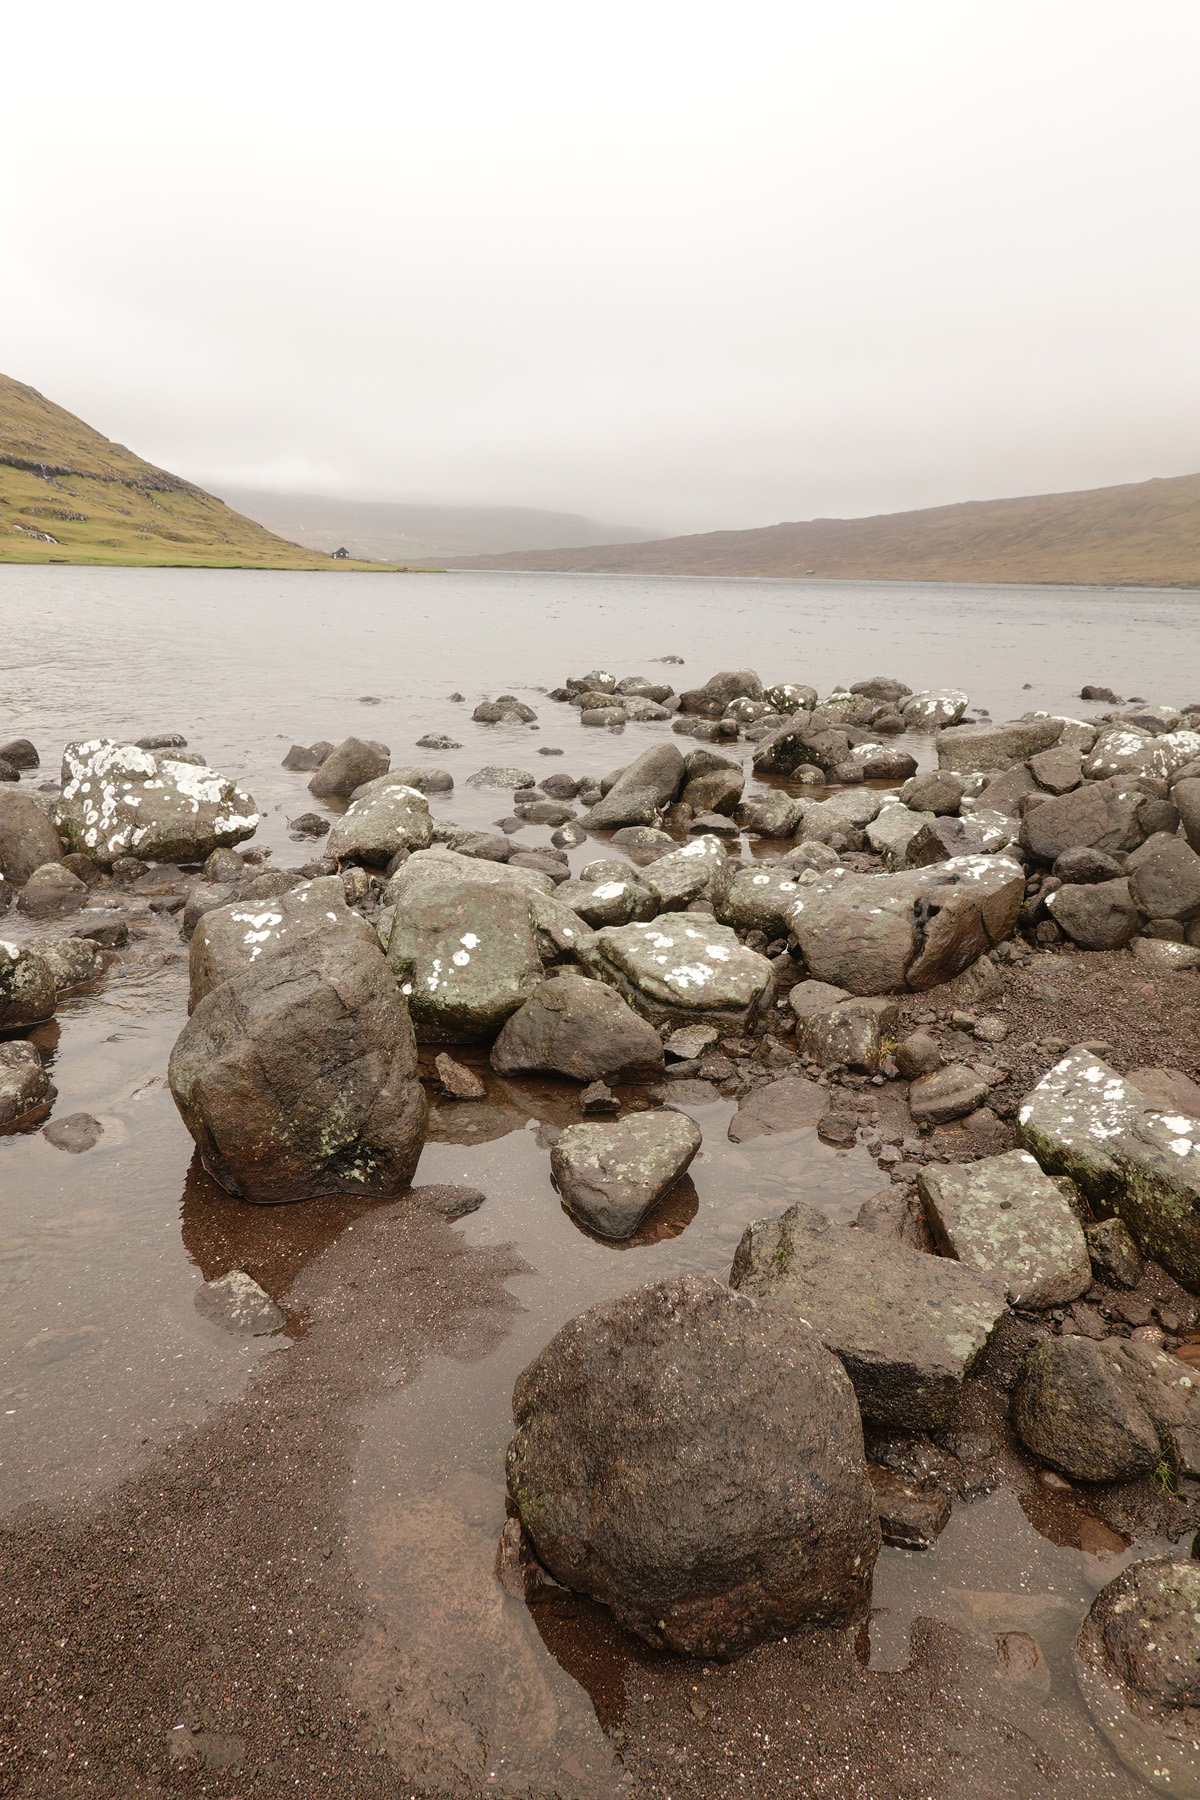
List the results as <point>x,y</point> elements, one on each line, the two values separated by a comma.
<point>695,1462</point>
<point>26,1091</point>
<point>386,818</point>
<point>118,800</point>
<point>354,762</point>
<point>298,1077</point>
<point>611,1174</point>
<point>27,991</point>
<point>683,969</point>
<point>466,955</point>
<point>230,939</point>
<point>27,837</point>
<point>1137,1662</point>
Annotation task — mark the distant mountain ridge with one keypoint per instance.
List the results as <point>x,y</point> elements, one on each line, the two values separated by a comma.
<point>68,494</point>
<point>1141,534</point>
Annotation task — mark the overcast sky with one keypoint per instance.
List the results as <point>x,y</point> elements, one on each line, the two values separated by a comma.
<point>677,265</point>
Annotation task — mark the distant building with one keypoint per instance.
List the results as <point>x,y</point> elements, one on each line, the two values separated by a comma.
<point>342,555</point>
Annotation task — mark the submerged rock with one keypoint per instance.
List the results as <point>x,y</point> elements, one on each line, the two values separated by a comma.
<point>76,1133</point>
<point>238,1303</point>
<point>907,1326</point>
<point>1002,1216</point>
<point>574,1026</point>
<point>120,801</point>
<point>789,1104</point>
<point>695,1462</point>
<point>298,1077</point>
<point>1137,1662</point>
<point>611,1174</point>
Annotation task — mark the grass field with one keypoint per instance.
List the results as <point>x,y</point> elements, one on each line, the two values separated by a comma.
<point>68,495</point>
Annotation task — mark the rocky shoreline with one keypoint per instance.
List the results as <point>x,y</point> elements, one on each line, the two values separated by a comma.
<point>982,974</point>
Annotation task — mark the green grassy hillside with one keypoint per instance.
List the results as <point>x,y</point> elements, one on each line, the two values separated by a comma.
<point>68,495</point>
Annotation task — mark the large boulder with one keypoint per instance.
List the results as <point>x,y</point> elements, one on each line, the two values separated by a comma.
<point>610,1173</point>
<point>27,838</point>
<point>973,749</point>
<point>798,741</point>
<point>437,870</point>
<point>934,709</point>
<point>684,874</point>
<point>118,800</point>
<point>1100,815</point>
<point>1099,915</point>
<point>1184,794</point>
<point>1127,1153</point>
<point>710,701</point>
<point>776,814</point>
<point>829,820</point>
<point>299,1077</point>
<point>1002,1216</point>
<point>760,897</point>
<point>384,820</point>
<point>695,1462</point>
<point>580,1028</point>
<point>609,899</point>
<point>229,939</point>
<point>26,1091</point>
<point>640,792</point>
<point>1077,1410</point>
<point>466,956</point>
<point>893,830</point>
<point>1137,1663</point>
<point>1130,752</point>
<point>350,766</point>
<point>27,991</point>
<point>907,1326</point>
<point>50,891</point>
<point>878,934</point>
<point>1164,878</point>
<point>682,970</point>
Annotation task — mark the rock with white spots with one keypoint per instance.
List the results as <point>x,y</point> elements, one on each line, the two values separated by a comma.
<point>436,870</point>
<point>971,749</point>
<point>1130,752</point>
<point>384,820</point>
<point>907,1326</point>
<point>1100,815</point>
<point>580,1028</point>
<point>230,939</point>
<point>760,897</point>
<point>298,1077</point>
<point>892,831</point>
<point>240,1305</point>
<point>118,800</point>
<point>825,821</point>
<point>27,838</point>
<point>683,969</point>
<point>773,815</point>
<point>878,934</point>
<point>26,1091</point>
<point>611,1173</point>
<point>710,701</point>
<point>612,901</point>
<point>466,956</point>
<point>72,961</point>
<point>934,709</point>
<point>685,874</point>
<point>1002,1216</point>
<point>27,991</point>
<point>422,776</point>
<point>1128,1154</point>
<point>501,775</point>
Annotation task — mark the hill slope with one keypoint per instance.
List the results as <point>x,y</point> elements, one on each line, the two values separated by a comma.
<point>1146,534</point>
<point>69,495</point>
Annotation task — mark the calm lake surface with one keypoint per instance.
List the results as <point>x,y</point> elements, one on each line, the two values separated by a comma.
<point>103,1356</point>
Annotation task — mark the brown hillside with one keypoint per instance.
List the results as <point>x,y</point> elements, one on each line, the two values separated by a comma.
<point>69,495</point>
<point>1146,534</point>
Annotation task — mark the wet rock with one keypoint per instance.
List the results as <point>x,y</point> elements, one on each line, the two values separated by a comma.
<point>908,1327</point>
<point>427,873</point>
<point>353,763</point>
<point>918,1054</point>
<point>1125,751</point>
<point>20,753</point>
<point>1136,1662</point>
<point>640,791</point>
<point>1127,1154</point>
<point>934,710</point>
<point>937,791</point>
<point>1076,1409</point>
<point>788,1104</point>
<point>110,934</point>
<point>581,1028</point>
<point>838,1127</point>
<point>118,800</point>
<point>1002,1216</point>
<point>690,971</point>
<point>760,898</point>
<point>451,1202</point>
<point>26,1091</point>
<point>611,1174</point>
<point>27,993</point>
<point>438,740</point>
<point>773,815</point>
<point>1057,770</point>
<point>948,1093</point>
<point>972,748</point>
<point>644,842</point>
<point>309,825</point>
<point>72,961</point>
<point>1164,878</point>
<point>466,956</point>
<point>28,840</point>
<point>457,1082</point>
<point>896,1213</point>
<point>1114,1255</point>
<point>382,821</point>
<point>423,777</point>
<point>1100,915</point>
<point>303,759</point>
<point>711,700</point>
<point>668,1392</point>
<point>507,710</point>
<point>229,939</point>
<point>50,891</point>
<point>797,743</point>
<point>717,788</point>
<point>238,1303</point>
<point>912,1514</point>
<point>598,1101</point>
<point>851,1032</point>
<point>501,775</point>
<point>76,1133</point>
<point>299,1077</point>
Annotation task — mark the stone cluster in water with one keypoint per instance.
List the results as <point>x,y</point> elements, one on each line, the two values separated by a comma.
<point>675,966</point>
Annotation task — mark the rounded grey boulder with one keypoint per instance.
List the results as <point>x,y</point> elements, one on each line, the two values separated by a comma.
<point>611,1173</point>
<point>1137,1662</point>
<point>695,1461</point>
<point>351,765</point>
<point>574,1026</point>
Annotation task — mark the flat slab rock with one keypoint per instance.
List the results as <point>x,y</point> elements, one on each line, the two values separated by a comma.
<point>1002,1216</point>
<point>611,1173</point>
<point>789,1104</point>
<point>1127,1152</point>
<point>689,970</point>
<point>908,1327</point>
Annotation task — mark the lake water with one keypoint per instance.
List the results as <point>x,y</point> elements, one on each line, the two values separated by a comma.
<point>103,1356</point>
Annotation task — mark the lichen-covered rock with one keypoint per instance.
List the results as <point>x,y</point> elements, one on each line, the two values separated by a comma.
<point>1137,1662</point>
<point>695,1462</point>
<point>850,1031</point>
<point>1077,1410</point>
<point>436,870</point>
<point>26,1091</point>
<point>118,801</point>
<point>893,830</point>
<point>27,838</point>
<point>684,874</point>
<point>611,900</point>
<point>1002,1216</point>
<point>877,934</point>
<point>973,749</point>
<point>611,1173</point>
<point>229,939</point>
<point>759,898</point>
<point>1127,1153</point>
<point>1130,752</point>
<point>382,821</point>
<point>685,969</point>
<point>72,961</point>
<point>907,1326</point>
<point>934,709</point>
<point>580,1028</point>
<point>27,992</point>
<point>776,814</point>
<point>299,1077</point>
<point>466,957</point>
<point>710,701</point>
